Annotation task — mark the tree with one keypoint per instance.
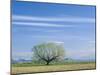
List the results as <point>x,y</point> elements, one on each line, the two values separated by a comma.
<point>48,52</point>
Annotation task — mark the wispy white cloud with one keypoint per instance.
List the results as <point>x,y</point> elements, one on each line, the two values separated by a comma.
<point>52,31</point>
<point>54,19</point>
<point>41,24</point>
<point>57,42</point>
<point>45,21</point>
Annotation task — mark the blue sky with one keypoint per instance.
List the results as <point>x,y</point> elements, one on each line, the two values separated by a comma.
<point>71,25</point>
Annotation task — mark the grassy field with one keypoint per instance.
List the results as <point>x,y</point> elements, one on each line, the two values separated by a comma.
<point>52,68</point>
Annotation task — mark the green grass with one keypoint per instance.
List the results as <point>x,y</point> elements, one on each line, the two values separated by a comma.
<point>43,64</point>
<point>33,68</point>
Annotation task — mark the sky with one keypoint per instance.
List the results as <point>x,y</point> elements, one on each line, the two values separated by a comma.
<point>71,25</point>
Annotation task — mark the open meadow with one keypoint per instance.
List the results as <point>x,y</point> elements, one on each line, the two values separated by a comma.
<point>53,68</point>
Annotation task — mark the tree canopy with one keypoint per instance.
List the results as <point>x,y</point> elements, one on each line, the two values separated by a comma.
<point>48,52</point>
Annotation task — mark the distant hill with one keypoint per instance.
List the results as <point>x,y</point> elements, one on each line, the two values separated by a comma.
<point>79,60</point>
<point>21,61</point>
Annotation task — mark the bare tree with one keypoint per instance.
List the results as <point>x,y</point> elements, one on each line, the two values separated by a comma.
<point>48,52</point>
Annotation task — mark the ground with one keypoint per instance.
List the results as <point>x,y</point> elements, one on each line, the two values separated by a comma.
<point>53,68</point>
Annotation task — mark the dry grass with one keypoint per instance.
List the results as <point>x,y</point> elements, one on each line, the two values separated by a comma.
<point>52,68</point>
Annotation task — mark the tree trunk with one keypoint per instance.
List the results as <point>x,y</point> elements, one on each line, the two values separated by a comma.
<point>47,63</point>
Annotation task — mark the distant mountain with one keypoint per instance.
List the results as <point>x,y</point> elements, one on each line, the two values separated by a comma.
<point>21,61</point>
<point>79,60</point>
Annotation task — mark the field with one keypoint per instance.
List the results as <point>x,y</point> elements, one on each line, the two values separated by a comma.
<point>52,68</point>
